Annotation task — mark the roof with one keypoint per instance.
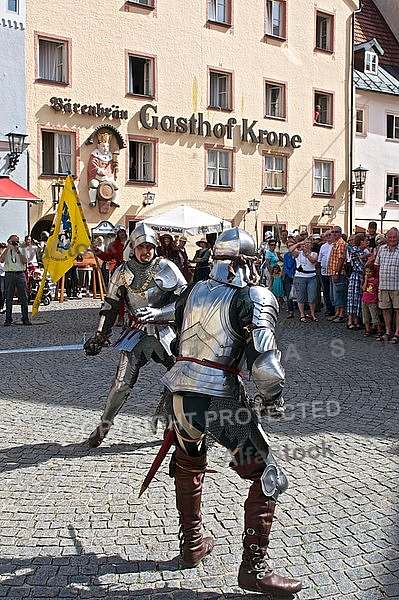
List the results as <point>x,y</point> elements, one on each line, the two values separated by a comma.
<point>10,190</point>
<point>369,24</point>
<point>386,81</point>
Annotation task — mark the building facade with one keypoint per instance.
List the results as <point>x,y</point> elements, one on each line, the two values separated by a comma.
<point>376,76</point>
<point>14,214</point>
<point>209,103</point>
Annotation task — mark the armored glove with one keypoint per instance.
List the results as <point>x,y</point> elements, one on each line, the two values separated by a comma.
<point>148,314</point>
<point>274,408</point>
<point>93,345</point>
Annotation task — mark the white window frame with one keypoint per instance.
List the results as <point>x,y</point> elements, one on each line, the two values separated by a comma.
<point>149,3</point>
<point>219,168</point>
<point>275,99</point>
<point>220,89</point>
<point>62,159</point>
<point>360,126</point>
<point>323,177</point>
<point>56,61</point>
<point>275,173</point>
<point>370,62</point>
<point>275,18</point>
<point>325,101</point>
<point>147,76</point>
<point>145,161</point>
<point>394,126</point>
<point>324,31</point>
<point>219,11</point>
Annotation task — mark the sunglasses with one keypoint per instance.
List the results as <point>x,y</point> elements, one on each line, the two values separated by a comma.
<point>335,232</point>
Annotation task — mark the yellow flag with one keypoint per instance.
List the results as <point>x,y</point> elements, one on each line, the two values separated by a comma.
<point>68,237</point>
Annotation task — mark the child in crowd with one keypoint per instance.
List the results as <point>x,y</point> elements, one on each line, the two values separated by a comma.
<point>276,285</point>
<point>370,310</point>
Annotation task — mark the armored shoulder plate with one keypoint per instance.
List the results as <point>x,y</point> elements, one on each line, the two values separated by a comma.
<point>116,281</point>
<point>265,307</point>
<point>168,276</point>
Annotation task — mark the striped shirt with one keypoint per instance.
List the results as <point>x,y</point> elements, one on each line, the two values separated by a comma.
<point>388,261</point>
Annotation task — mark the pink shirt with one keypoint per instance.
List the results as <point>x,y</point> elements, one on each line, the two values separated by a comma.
<point>371,294</point>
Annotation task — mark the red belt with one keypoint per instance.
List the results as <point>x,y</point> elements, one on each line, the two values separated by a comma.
<point>209,363</point>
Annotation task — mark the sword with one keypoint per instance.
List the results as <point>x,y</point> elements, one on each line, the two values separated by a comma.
<point>162,452</point>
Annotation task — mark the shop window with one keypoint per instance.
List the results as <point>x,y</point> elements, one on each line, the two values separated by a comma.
<point>53,61</point>
<point>370,63</point>
<point>393,127</point>
<point>220,90</point>
<point>141,161</point>
<point>392,189</point>
<point>219,168</point>
<point>322,177</point>
<point>275,100</point>
<point>275,175</point>
<point>324,32</point>
<point>219,11</point>
<point>57,151</point>
<point>141,76</point>
<point>275,18</point>
<point>323,112</point>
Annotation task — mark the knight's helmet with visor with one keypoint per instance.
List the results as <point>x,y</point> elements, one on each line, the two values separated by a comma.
<point>141,234</point>
<point>233,254</point>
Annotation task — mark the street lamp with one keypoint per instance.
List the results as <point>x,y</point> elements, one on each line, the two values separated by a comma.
<point>327,211</point>
<point>382,214</point>
<point>148,198</point>
<point>253,207</point>
<point>16,142</point>
<point>56,189</point>
<point>360,174</point>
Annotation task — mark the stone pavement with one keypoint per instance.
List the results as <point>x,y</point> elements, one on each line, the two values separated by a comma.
<point>72,526</point>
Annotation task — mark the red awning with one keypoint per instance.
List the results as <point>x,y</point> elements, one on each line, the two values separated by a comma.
<point>9,190</point>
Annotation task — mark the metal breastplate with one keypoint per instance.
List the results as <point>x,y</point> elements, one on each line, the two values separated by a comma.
<point>207,334</point>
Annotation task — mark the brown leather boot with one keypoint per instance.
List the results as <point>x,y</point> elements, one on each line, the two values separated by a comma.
<point>189,475</point>
<point>254,573</point>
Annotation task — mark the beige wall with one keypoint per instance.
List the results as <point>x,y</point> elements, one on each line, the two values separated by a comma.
<point>176,33</point>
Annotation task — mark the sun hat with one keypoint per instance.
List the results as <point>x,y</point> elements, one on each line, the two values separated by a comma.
<point>202,241</point>
<point>183,238</point>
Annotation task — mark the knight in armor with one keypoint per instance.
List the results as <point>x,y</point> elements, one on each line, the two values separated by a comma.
<point>149,287</point>
<point>222,322</point>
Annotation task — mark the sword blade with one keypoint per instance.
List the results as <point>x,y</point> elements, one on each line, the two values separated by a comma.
<point>162,452</point>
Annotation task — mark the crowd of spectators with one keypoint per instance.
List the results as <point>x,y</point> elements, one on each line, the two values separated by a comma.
<point>355,279</point>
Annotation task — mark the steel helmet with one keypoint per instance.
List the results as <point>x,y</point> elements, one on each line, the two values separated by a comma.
<point>233,243</point>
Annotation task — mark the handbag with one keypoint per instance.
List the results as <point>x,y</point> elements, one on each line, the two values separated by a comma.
<point>293,293</point>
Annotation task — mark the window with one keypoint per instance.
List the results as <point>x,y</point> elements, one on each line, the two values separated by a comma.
<point>220,90</point>
<point>324,32</point>
<point>275,100</point>
<point>141,161</point>
<point>12,5</point>
<point>322,177</point>
<point>219,168</point>
<point>360,121</point>
<point>57,153</point>
<point>392,188</point>
<point>393,127</point>
<point>219,11</point>
<point>275,18</point>
<point>275,177</point>
<point>53,60</point>
<point>323,108</point>
<point>143,2</point>
<point>141,76</point>
<point>370,62</point>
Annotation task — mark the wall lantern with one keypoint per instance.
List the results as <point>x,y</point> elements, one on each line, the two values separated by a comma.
<point>360,174</point>
<point>148,198</point>
<point>56,190</point>
<point>16,141</point>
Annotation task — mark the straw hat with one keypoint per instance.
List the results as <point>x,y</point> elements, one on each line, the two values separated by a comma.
<point>183,238</point>
<point>202,241</point>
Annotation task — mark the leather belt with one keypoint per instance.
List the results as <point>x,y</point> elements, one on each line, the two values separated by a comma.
<point>209,363</point>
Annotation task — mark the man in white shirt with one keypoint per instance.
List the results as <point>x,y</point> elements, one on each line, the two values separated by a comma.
<point>14,267</point>
<point>324,254</point>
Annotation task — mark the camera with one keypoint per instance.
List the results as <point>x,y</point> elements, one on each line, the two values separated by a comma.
<point>14,243</point>
<point>300,269</point>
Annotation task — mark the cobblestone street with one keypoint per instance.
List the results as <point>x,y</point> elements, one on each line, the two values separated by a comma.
<point>72,525</point>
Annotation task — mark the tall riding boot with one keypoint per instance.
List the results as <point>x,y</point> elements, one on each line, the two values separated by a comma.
<point>254,573</point>
<point>189,475</point>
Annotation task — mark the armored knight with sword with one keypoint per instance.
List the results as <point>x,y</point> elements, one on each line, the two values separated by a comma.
<point>222,322</point>
<point>149,286</point>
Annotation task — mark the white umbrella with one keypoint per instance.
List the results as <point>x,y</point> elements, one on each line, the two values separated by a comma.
<point>187,220</point>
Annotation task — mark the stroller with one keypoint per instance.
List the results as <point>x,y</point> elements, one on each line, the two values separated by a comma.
<point>34,281</point>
